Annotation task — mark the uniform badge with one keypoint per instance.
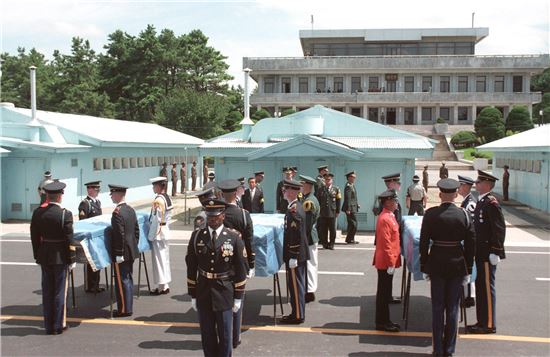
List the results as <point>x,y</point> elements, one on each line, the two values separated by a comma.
<point>227,249</point>
<point>244,253</point>
<point>293,224</point>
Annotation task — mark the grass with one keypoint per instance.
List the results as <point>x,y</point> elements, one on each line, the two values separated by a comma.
<point>469,151</point>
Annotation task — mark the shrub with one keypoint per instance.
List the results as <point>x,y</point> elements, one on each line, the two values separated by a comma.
<point>287,112</point>
<point>519,119</point>
<point>261,114</point>
<point>440,121</point>
<point>464,139</point>
<point>489,125</point>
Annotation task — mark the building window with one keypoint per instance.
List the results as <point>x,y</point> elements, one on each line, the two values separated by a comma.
<point>356,112</point>
<point>462,113</point>
<point>74,162</point>
<point>321,84</point>
<point>98,164</point>
<point>356,84</point>
<point>462,84</point>
<point>445,113</point>
<point>285,85</point>
<point>140,162</point>
<point>373,85</point>
<point>303,85</point>
<point>116,163</point>
<point>426,84</point>
<point>464,48</point>
<point>269,84</point>
<point>373,114</point>
<point>154,161</point>
<point>499,84</point>
<point>409,84</point>
<point>133,162</point>
<point>444,84</point>
<point>427,114</point>
<point>147,161</point>
<point>426,48</point>
<point>338,84</point>
<point>517,84</point>
<point>409,116</point>
<point>409,49</point>
<point>373,50</point>
<point>481,84</point>
<point>445,48</point>
<point>107,163</point>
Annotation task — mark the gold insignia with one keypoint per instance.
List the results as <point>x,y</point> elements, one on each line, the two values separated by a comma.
<point>244,253</point>
<point>338,196</point>
<point>211,203</point>
<point>293,224</point>
<point>307,206</point>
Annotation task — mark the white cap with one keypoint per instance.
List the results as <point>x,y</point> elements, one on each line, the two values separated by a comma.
<point>158,179</point>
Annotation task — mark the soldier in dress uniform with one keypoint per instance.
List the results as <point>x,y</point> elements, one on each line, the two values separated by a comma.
<point>279,196</point>
<point>320,181</point>
<point>443,171</point>
<point>469,204</point>
<point>205,173</point>
<point>447,264</point>
<point>174,179</point>
<point>311,209</point>
<point>159,235</point>
<point>490,234</point>
<point>505,183</point>
<point>386,259</point>
<point>89,207</point>
<point>425,178</point>
<point>124,249</point>
<point>193,176</point>
<point>351,207</point>
<point>253,198</point>
<point>240,192</point>
<point>55,251</point>
<point>46,180</point>
<point>216,279</point>
<point>204,196</point>
<point>329,201</point>
<point>416,197</point>
<point>164,170</point>
<point>183,177</point>
<point>238,219</point>
<point>259,175</point>
<point>295,253</point>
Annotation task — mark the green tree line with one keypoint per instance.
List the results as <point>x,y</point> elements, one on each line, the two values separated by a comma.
<point>176,81</point>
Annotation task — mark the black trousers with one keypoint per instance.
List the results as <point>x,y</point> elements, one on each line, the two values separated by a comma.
<point>486,299</point>
<point>352,227</point>
<point>383,297</point>
<point>91,281</point>
<point>297,286</point>
<point>216,332</point>
<point>124,284</point>
<point>54,296</point>
<point>445,303</point>
<point>416,207</point>
<point>327,225</point>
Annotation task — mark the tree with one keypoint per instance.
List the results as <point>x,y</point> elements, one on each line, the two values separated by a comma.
<point>544,103</point>
<point>464,139</point>
<point>489,125</point>
<point>519,120</point>
<point>261,114</point>
<point>541,82</point>
<point>546,116</point>
<point>288,111</point>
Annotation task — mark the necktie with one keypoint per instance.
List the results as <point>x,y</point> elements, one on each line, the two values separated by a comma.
<point>214,236</point>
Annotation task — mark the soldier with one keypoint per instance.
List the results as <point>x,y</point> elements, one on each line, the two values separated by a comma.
<point>469,204</point>
<point>55,251</point>
<point>253,198</point>
<point>320,181</point>
<point>446,264</point>
<point>259,175</point>
<point>279,195</point>
<point>505,182</point>
<point>124,249</point>
<point>89,207</point>
<point>490,233</point>
<point>159,235</point>
<point>443,171</point>
<point>416,197</point>
<point>294,172</point>
<point>311,209</point>
<point>163,170</point>
<point>193,176</point>
<point>240,192</point>
<point>203,196</point>
<point>329,202</point>
<point>216,279</point>
<point>425,178</point>
<point>46,180</point>
<point>351,207</point>
<point>211,177</point>
<point>183,176</point>
<point>174,179</point>
<point>205,174</point>
<point>238,219</point>
<point>295,253</point>
<point>386,259</point>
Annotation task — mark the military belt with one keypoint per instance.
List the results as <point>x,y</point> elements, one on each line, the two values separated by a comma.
<point>441,243</point>
<point>163,224</point>
<point>53,241</point>
<point>209,275</point>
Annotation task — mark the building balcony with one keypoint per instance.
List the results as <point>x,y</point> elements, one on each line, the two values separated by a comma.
<point>394,98</point>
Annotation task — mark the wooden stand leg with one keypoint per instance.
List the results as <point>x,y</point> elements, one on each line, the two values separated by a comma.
<point>107,285</point>
<point>407,300</point>
<point>280,295</point>
<point>145,269</point>
<point>274,300</point>
<point>403,283</point>
<point>72,289</point>
<point>112,291</point>
<point>139,277</point>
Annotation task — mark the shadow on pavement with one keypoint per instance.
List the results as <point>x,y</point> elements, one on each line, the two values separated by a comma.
<point>386,353</point>
<point>172,345</point>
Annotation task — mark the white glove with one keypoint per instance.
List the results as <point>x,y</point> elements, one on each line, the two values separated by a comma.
<point>251,273</point>
<point>292,263</point>
<point>119,259</point>
<point>426,276</point>
<point>194,304</point>
<point>466,280</point>
<point>391,270</point>
<point>72,266</point>
<point>237,305</point>
<point>494,259</point>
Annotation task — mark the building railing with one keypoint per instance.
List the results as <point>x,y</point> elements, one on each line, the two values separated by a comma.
<point>396,56</point>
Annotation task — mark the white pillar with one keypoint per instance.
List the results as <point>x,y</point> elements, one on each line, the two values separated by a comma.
<point>418,119</point>
<point>454,119</point>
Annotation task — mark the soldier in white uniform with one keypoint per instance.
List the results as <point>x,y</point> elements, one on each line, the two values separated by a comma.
<point>159,234</point>
<point>46,180</point>
<point>416,197</point>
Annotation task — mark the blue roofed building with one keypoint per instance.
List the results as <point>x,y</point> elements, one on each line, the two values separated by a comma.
<point>78,149</point>
<point>320,136</point>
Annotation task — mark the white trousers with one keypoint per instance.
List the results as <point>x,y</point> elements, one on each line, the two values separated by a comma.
<point>160,256</point>
<point>312,268</point>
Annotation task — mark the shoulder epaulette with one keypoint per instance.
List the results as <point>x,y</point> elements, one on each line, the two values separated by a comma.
<point>308,205</point>
<point>492,200</point>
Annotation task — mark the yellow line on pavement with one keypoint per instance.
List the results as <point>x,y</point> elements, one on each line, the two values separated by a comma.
<point>280,328</point>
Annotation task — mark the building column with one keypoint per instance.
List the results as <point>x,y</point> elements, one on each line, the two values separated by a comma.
<point>365,111</point>
<point>437,112</point>
<point>260,84</point>
<point>347,109</point>
<point>454,119</point>
<point>400,120</point>
<point>294,107</point>
<point>418,118</point>
<point>530,109</point>
<point>527,85</point>
<point>474,114</point>
<point>276,109</point>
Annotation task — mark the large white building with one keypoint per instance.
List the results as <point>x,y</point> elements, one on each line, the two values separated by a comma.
<point>396,76</point>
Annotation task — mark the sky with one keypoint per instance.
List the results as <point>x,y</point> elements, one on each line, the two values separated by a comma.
<point>266,28</point>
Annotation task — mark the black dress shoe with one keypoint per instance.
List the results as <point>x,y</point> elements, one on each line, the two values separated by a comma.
<point>158,292</point>
<point>469,302</point>
<point>310,297</point>
<point>236,344</point>
<point>121,314</point>
<point>290,320</point>
<point>165,291</point>
<point>331,247</point>
<point>394,324</point>
<point>481,330</point>
<point>395,301</point>
<point>52,332</point>
<point>389,327</point>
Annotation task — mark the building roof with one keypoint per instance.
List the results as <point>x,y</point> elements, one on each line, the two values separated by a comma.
<point>537,139</point>
<point>62,128</point>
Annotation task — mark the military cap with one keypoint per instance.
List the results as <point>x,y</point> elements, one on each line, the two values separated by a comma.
<point>158,179</point>
<point>294,168</point>
<point>448,185</point>
<point>257,173</point>
<point>481,175</point>
<point>425,166</point>
<point>55,187</point>
<point>241,180</point>
<point>416,178</point>
<point>117,188</point>
<point>211,175</point>
<point>323,167</point>
<point>292,184</point>
<point>506,166</point>
<point>388,194</point>
<point>286,169</point>
<point>351,173</point>
<point>206,193</point>
<point>174,164</point>
<point>214,207</point>
<point>164,164</point>
<point>393,177</point>
<point>307,179</point>
<point>328,174</point>
<point>48,174</point>
<point>229,185</point>
<point>92,184</point>
<point>465,179</point>
<point>209,184</point>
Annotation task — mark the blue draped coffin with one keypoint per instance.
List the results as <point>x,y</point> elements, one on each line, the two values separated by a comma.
<point>268,242</point>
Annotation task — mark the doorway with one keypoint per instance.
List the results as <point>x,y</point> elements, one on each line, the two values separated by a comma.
<point>390,116</point>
